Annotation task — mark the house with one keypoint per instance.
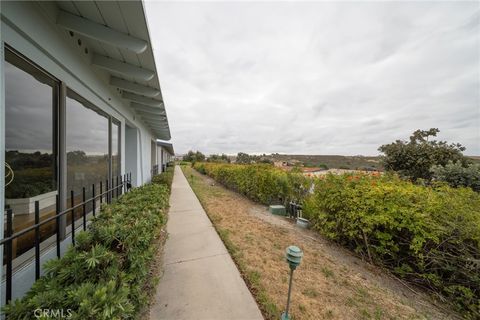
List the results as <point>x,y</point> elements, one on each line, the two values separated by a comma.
<point>81,112</point>
<point>165,154</point>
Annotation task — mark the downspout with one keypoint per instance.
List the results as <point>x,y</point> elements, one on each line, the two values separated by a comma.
<point>141,155</point>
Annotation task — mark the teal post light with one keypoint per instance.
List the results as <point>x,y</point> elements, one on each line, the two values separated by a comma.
<point>294,256</point>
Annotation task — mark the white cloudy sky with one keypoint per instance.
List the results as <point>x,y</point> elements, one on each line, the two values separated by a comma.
<point>317,77</point>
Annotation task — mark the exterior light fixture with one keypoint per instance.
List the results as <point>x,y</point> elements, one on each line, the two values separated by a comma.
<point>294,256</point>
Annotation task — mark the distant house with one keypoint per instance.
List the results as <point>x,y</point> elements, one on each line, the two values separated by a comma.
<point>82,109</point>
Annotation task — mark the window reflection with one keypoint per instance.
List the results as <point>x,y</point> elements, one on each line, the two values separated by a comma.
<point>115,149</point>
<point>29,145</point>
<point>87,148</point>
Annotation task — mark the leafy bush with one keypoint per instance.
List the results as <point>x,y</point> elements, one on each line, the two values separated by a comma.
<point>457,175</point>
<point>260,182</point>
<point>165,178</point>
<point>429,235</point>
<point>105,275</point>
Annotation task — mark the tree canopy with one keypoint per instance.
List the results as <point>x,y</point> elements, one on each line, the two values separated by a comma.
<point>192,156</point>
<point>414,159</point>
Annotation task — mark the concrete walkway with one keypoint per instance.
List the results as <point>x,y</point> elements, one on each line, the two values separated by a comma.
<point>200,280</point>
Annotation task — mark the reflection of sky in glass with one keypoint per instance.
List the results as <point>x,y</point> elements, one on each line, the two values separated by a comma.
<point>115,149</point>
<point>86,129</point>
<point>115,131</point>
<point>28,112</point>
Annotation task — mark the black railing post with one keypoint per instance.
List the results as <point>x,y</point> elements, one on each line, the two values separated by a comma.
<point>57,205</point>
<point>72,204</point>
<point>93,199</point>
<point>37,240</point>
<point>84,209</point>
<point>116,189</point>
<point>106,192</point>
<point>101,195</point>
<point>112,194</point>
<point>9,254</point>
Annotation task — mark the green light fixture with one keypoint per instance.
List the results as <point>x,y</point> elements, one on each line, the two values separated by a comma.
<point>294,256</point>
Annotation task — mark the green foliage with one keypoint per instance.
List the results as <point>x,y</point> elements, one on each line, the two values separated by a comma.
<point>194,156</point>
<point>260,182</point>
<point>223,158</point>
<point>457,175</point>
<point>165,178</point>
<point>104,275</point>
<point>429,235</point>
<point>413,159</point>
<point>245,158</point>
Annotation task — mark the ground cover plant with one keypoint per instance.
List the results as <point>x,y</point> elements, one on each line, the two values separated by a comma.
<point>106,274</point>
<point>165,178</point>
<point>429,235</point>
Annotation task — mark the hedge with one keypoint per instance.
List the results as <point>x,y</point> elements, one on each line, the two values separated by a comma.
<point>429,235</point>
<point>263,183</point>
<point>106,274</point>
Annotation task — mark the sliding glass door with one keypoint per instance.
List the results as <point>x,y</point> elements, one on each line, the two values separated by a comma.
<point>30,143</point>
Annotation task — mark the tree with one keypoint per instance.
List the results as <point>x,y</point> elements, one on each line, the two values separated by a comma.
<point>244,158</point>
<point>414,159</point>
<point>193,157</point>
<point>219,158</point>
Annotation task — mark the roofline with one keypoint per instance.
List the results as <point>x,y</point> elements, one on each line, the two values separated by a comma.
<point>167,146</point>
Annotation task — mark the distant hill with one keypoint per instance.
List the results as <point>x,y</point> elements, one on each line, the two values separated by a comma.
<point>331,161</point>
<point>476,159</point>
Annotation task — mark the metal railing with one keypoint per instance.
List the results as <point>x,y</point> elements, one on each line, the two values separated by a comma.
<point>154,170</point>
<point>122,185</point>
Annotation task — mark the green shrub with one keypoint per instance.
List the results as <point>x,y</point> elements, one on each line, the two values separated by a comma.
<point>429,235</point>
<point>105,275</point>
<point>165,178</point>
<point>457,175</point>
<point>260,182</point>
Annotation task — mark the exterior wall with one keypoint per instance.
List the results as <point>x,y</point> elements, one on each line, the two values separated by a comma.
<point>29,28</point>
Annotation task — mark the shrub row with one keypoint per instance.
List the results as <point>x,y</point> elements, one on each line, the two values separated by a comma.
<point>165,178</point>
<point>106,274</point>
<point>260,182</point>
<point>428,235</point>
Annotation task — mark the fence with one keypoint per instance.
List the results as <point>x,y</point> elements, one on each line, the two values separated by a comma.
<point>154,170</point>
<point>122,185</point>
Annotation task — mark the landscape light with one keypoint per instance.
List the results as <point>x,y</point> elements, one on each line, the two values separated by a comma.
<point>294,256</point>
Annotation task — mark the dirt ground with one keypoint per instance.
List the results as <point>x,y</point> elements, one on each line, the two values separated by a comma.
<point>331,282</point>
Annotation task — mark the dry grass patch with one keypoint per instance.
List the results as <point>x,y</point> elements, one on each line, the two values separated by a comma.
<point>330,283</point>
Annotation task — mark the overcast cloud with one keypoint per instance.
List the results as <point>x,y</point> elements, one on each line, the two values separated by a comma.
<point>317,78</point>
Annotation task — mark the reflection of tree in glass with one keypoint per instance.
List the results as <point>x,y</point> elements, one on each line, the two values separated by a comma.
<point>84,170</point>
<point>34,174</point>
